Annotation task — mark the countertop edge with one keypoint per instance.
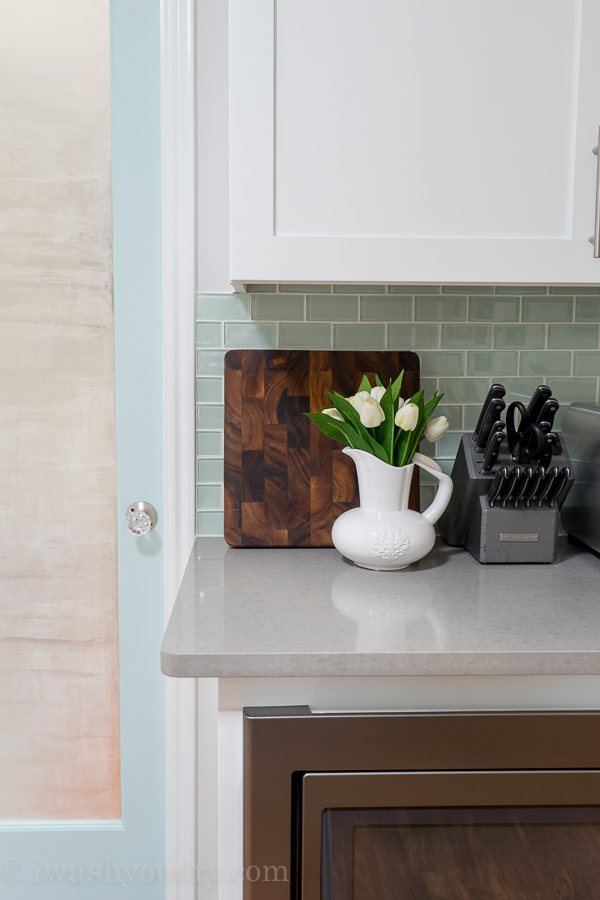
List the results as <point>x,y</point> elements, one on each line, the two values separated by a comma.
<point>285,665</point>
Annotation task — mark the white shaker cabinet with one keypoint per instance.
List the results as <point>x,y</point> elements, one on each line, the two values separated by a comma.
<point>414,140</point>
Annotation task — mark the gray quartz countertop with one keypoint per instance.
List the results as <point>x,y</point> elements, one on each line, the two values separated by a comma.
<point>311,613</point>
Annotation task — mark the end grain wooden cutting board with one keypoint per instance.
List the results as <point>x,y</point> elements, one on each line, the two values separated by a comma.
<point>285,481</point>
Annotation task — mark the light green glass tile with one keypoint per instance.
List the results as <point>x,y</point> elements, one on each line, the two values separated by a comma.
<point>573,337</point>
<point>420,337</point>
<point>209,443</point>
<point>261,288</point>
<point>305,336</point>
<point>209,496</point>
<point>574,289</point>
<point>359,289</point>
<point>209,334</point>
<point>222,306</point>
<point>323,308</point>
<point>519,389</point>
<point>210,362</point>
<point>304,288</point>
<point>447,446</point>
<point>464,390</point>
<point>587,309</point>
<point>547,309</point>
<point>492,362</point>
<point>209,417</point>
<point>471,417</point>
<point>545,363</point>
<point>586,364</point>
<point>519,337</point>
<point>209,470</point>
<point>520,289</point>
<point>440,309</point>
<point>209,390</point>
<point>467,289</point>
<point>466,337</point>
<point>359,337</point>
<point>413,288</point>
<point>259,335</point>
<point>209,524</point>
<point>442,362</point>
<point>429,385</point>
<point>386,309</point>
<point>569,390</point>
<point>494,309</point>
<point>454,414</point>
<point>446,467</point>
<point>425,477</point>
<point>426,494</point>
<point>278,306</point>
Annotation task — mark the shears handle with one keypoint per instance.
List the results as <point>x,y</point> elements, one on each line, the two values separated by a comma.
<point>512,431</point>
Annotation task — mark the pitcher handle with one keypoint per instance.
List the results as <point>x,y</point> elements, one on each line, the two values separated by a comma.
<point>444,491</point>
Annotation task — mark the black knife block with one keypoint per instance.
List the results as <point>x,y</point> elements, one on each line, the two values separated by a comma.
<point>496,534</point>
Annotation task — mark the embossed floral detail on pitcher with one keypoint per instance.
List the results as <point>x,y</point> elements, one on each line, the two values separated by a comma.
<point>388,544</point>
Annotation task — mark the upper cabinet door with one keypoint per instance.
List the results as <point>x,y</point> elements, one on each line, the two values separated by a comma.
<point>414,140</point>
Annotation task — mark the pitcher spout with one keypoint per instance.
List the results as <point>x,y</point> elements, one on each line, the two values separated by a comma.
<point>382,487</point>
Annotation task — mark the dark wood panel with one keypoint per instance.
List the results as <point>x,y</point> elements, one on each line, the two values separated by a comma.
<point>285,482</point>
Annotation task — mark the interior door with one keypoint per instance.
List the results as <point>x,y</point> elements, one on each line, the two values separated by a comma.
<point>416,142</point>
<point>107,838</point>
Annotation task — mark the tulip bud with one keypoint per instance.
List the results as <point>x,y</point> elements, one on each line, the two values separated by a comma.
<point>436,428</point>
<point>407,417</point>
<point>358,399</point>
<point>371,413</point>
<point>334,413</point>
<point>378,392</point>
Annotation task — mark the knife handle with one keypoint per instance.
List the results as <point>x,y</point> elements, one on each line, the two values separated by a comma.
<point>510,486</point>
<point>521,486</point>
<point>496,392</point>
<point>546,486</point>
<point>563,477</point>
<point>534,485</point>
<point>492,450</point>
<point>540,396</point>
<point>497,485</point>
<point>545,457</point>
<point>493,413</point>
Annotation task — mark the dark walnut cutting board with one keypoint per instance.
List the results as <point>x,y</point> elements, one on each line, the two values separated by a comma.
<point>286,482</point>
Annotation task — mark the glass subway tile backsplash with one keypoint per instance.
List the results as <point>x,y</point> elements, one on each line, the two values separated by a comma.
<point>466,336</point>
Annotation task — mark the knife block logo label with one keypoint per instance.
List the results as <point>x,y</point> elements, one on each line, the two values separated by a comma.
<point>515,538</point>
<point>388,544</point>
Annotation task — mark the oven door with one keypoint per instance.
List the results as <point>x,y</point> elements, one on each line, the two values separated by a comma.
<point>490,835</point>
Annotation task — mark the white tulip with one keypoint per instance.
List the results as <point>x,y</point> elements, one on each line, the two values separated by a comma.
<point>371,413</point>
<point>436,428</point>
<point>334,413</point>
<point>358,399</point>
<point>378,393</point>
<point>407,417</point>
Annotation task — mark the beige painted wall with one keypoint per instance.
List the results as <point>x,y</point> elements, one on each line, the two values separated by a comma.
<point>59,727</point>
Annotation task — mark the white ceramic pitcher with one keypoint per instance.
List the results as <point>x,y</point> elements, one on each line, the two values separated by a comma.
<point>383,533</point>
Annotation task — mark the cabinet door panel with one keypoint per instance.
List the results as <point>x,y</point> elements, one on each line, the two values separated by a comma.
<point>403,141</point>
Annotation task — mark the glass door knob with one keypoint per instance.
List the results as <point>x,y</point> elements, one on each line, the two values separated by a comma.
<point>141,518</point>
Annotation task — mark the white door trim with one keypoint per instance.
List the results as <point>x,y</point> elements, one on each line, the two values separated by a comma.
<point>178,177</point>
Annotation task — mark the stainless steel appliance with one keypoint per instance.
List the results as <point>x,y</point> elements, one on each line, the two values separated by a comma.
<point>429,805</point>
<point>581,511</point>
